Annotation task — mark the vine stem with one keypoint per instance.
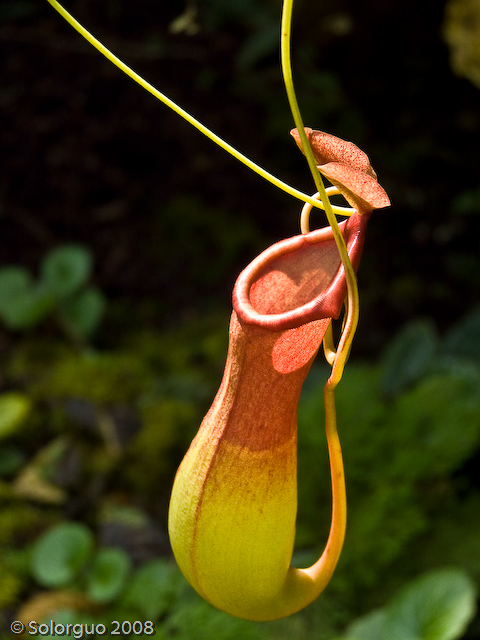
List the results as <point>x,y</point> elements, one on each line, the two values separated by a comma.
<point>269,177</point>
<point>351,319</point>
<point>322,570</point>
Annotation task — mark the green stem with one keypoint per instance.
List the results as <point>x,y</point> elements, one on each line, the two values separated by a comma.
<point>351,320</point>
<point>322,570</point>
<point>285,42</point>
<point>184,114</point>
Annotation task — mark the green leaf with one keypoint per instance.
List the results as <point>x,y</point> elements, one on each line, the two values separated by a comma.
<point>60,554</point>
<point>29,309</point>
<point>14,281</point>
<point>208,622</point>
<point>152,589</point>
<point>108,574</point>
<point>65,269</point>
<point>22,303</point>
<point>84,311</point>
<point>408,357</point>
<point>368,627</point>
<point>439,418</point>
<point>463,340</point>
<point>14,409</point>
<point>436,606</point>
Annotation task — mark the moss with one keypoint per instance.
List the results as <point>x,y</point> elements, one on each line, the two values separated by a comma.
<point>102,378</point>
<point>19,522</point>
<point>164,424</point>
<point>11,586</point>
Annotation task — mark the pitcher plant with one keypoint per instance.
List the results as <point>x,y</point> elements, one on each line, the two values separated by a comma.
<point>234,499</point>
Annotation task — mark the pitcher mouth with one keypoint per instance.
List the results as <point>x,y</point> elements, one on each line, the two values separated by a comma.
<point>298,280</point>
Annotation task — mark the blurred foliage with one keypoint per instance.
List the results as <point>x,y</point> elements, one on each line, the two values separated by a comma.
<point>106,431</point>
<point>413,427</point>
<point>410,431</point>
<point>436,606</point>
<point>14,409</point>
<point>60,289</point>
<point>106,587</point>
<point>462,34</point>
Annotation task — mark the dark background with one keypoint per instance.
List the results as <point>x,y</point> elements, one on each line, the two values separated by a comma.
<point>87,156</point>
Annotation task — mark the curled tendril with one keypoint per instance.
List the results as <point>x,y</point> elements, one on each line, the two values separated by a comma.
<point>307,209</point>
